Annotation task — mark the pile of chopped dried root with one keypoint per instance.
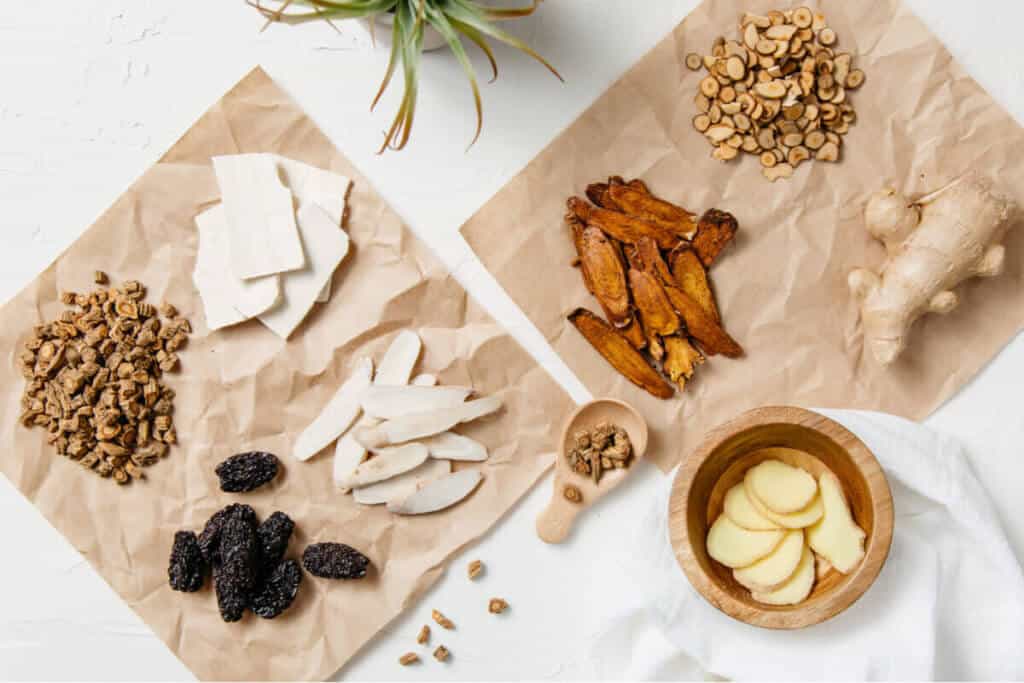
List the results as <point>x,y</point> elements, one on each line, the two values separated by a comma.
<point>645,260</point>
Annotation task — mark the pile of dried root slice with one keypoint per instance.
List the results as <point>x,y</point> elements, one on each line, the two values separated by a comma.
<point>645,260</point>
<point>95,379</point>
<point>780,92</point>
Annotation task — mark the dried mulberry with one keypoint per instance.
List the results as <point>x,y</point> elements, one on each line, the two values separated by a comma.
<point>273,535</point>
<point>278,590</point>
<point>334,561</point>
<point>209,539</point>
<point>235,576</point>
<point>247,471</point>
<point>187,568</point>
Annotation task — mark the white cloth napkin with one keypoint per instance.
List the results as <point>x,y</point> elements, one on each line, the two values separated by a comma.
<point>949,603</point>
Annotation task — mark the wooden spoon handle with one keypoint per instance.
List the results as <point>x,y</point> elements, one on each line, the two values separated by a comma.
<point>555,523</point>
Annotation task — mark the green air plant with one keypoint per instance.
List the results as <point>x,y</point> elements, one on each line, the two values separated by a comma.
<point>450,18</point>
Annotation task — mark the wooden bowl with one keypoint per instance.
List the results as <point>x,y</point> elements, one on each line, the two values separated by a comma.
<point>798,437</point>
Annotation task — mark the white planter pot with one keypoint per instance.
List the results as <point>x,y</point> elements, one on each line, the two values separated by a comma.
<point>381,30</point>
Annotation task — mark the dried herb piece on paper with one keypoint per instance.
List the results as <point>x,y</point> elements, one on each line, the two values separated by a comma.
<point>617,350</point>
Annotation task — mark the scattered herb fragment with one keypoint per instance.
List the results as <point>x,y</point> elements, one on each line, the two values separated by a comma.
<point>441,653</point>
<point>604,447</point>
<point>335,561</point>
<point>247,471</point>
<point>442,621</point>
<point>572,494</point>
<point>497,606</point>
<point>409,658</point>
<point>424,635</point>
<point>476,567</point>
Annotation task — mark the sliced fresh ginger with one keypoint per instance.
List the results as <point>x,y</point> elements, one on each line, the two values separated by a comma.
<point>796,589</point>
<point>741,511</point>
<point>783,489</point>
<point>771,572</point>
<point>821,567</point>
<point>736,547</point>
<point>836,537</point>
<point>797,520</point>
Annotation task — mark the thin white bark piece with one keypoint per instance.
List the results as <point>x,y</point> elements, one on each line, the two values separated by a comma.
<point>424,380</point>
<point>390,402</point>
<point>387,463</point>
<point>227,299</point>
<point>439,494</point>
<point>326,246</point>
<point>452,446</point>
<point>399,360</point>
<point>396,364</point>
<point>421,425</point>
<point>262,234</point>
<point>404,485</point>
<point>337,416</point>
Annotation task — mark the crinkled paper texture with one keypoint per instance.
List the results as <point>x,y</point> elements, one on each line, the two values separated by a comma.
<point>242,388</point>
<point>782,287</point>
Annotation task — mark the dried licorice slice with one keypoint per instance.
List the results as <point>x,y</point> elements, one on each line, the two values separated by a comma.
<point>247,471</point>
<point>187,568</point>
<point>235,576</point>
<point>334,561</point>
<point>273,535</point>
<point>209,539</point>
<point>278,590</point>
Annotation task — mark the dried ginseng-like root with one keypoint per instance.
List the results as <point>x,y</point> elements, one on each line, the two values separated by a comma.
<point>656,313</point>
<point>689,273</point>
<point>715,230</point>
<point>617,350</point>
<point>709,334</point>
<point>601,264</point>
<point>681,360</point>
<point>659,212</point>
<point>620,226</point>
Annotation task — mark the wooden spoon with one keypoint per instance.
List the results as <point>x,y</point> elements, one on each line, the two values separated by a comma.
<point>556,521</point>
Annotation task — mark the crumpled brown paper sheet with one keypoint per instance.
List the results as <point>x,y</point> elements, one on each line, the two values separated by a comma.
<point>782,287</point>
<point>242,388</point>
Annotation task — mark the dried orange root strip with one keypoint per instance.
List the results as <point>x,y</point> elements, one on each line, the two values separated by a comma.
<point>681,360</point>
<point>620,226</point>
<point>715,231</point>
<point>603,271</point>
<point>654,210</point>
<point>689,273</point>
<point>709,334</point>
<point>617,350</point>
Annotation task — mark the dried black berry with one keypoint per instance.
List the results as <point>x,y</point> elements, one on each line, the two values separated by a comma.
<point>334,561</point>
<point>273,535</point>
<point>209,539</point>
<point>235,577</point>
<point>278,590</point>
<point>247,471</point>
<point>187,568</point>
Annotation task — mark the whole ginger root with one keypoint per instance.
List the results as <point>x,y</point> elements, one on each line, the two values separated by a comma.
<point>934,244</point>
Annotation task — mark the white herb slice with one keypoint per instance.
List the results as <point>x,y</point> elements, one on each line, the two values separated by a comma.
<point>387,463</point>
<point>391,402</point>
<point>439,494</point>
<point>421,425</point>
<point>399,360</point>
<point>403,485</point>
<point>452,446</point>
<point>337,416</point>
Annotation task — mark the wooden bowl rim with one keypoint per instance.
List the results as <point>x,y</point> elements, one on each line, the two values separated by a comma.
<point>797,616</point>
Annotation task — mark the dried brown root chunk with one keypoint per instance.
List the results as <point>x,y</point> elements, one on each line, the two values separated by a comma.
<point>709,334</point>
<point>689,273</point>
<point>497,606</point>
<point>572,494</point>
<point>656,313</point>
<point>408,659</point>
<point>634,333</point>
<point>620,226</point>
<point>681,360</point>
<point>424,635</point>
<point>441,653</point>
<point>476,567</point>
<point>598,193</point>
<point>715,231</point>
<point>659,212</point>
<point>617,350</point>
<point>442,621</point>
<point>603,271</point>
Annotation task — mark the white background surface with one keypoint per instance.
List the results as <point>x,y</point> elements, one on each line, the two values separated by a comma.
<point>92,93</point>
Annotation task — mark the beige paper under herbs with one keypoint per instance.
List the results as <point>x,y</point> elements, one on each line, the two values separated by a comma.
<point>242,388</point>
<point>782,286</point>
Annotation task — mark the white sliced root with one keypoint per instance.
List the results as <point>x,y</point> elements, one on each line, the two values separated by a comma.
<point>740,510</point>
<point>452,446</point>
<point>337,416</point>
<point>736,547</point>
<point>387,463</point>
<point>399,360</point>
<point>404,485</point>
<point>796,589</point>
<point>391,402</point>
<point>348,455</point>
<point>837,538</point>
<point>770,573</point>
<point>424,380</point>
<point>439,494</point>
<point>421,425</point>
